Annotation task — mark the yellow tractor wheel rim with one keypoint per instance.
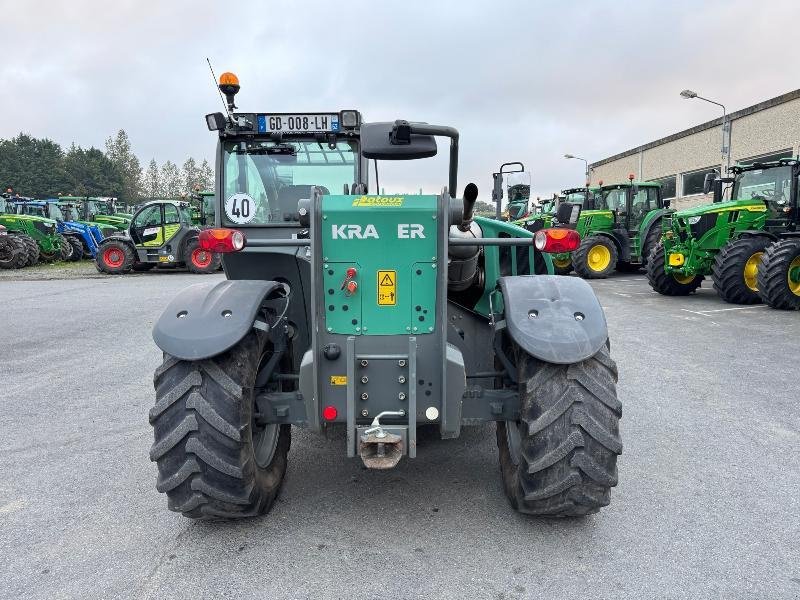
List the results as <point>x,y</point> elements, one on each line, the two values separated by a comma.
<point>562,262</point>
<point>683,279</point>
<point>598,258</point>
<point>751,271</point>
<point>793,276</point>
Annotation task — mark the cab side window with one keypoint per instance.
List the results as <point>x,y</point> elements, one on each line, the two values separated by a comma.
<point>149,217</point>
<point>171,214</point>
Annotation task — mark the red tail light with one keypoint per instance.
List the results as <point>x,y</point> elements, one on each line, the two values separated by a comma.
<point>556,240</point>
<point>222,240</point>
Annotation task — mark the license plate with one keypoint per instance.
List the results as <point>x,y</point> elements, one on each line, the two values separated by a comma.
<point>302,123</point>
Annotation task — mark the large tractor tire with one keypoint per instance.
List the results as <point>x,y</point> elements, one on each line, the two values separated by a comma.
<point>13,254</point>
<point>77,248</point>
<point>779,275</point>
<point>651,240</point>
<point>23,256</point>
<point>562,266</point>
<point>33,249</point>
<point>66,250</point>
<point>560,459</point>
<point>114,257</point>
<point>669,284</point>
<point>735,269</point>
<point>213,459</point>
<point>595,258</point>
<point>198,260</point>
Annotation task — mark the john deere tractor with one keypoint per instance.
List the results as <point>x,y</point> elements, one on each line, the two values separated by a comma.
<point>78,239</point>
<point>729,240</point>
<point>583,197</point>
<point>619,232</point>
<point>13,251</point>
<point>100,211</point>
<point>160,234</point>
<point>39,234</point>
<point>375,314</point>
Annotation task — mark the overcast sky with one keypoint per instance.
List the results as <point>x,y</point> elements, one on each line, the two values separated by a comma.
<point>524,81</point>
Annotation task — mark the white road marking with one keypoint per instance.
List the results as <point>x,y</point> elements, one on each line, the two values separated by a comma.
<point>737,308</point>
<point>11,507</point>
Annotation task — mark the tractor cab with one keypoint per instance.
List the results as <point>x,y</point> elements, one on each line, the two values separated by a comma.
<point>585,196</point>
<point>773,183</point>
<point>630,203</point>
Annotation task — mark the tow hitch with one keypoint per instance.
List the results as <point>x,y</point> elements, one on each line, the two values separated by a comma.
<point>378,448</point>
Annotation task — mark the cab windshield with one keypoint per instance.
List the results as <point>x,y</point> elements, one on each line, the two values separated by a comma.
<point>274,176</point>
<point>612,199</point>
<point>68,213</point>
<point>769,185</point>
<point>575,197</point>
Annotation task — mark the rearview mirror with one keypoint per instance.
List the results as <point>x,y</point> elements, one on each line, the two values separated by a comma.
<point>708,182</point>
<point>667,203</point>
<point>393,141</point>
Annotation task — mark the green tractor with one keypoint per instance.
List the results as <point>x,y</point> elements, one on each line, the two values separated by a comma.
<point>99,211</point>
<point>13,251</point>
<point>376,315</point>
<point>203,208</point>
<point>619,232</point>
<point>585,198</point>
<point>161,233</point>
<point>729,240</point>
<point>39,234</point>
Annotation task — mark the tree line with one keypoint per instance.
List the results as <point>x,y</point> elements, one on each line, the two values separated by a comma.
<point>41,168</point>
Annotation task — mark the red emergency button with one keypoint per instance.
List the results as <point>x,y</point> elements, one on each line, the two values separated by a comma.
<point>350,273</point>
<point>351,287</point>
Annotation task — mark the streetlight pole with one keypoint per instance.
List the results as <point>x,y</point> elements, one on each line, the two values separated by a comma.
<point>726,147</point>
<point>586,162</point>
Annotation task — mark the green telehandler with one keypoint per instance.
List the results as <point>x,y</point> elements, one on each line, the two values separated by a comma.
<point>728,240</point>
<point>374,314</point>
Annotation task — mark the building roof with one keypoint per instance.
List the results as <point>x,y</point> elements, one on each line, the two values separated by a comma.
<point>783,98</point>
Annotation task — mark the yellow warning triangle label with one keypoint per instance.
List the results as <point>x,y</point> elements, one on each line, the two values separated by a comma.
<point>387,280</point>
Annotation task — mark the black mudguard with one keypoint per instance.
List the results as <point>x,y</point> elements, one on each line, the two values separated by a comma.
<point>554,318</point>
<point>209,318</point>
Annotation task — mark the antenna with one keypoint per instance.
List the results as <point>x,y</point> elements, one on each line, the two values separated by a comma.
<point>214,77</point>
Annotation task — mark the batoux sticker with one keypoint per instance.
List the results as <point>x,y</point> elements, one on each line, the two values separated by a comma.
<point>240,208</point>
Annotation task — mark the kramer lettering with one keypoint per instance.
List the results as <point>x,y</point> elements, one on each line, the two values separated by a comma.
<point>405,231</point>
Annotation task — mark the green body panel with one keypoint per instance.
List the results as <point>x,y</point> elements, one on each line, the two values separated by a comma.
<point>119,223</point>
<point>396,234</point>
<point>716,224</point>
<point>500,261</point>
<point>42,230</point>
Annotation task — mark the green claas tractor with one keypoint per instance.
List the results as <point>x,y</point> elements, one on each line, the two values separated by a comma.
<point>39,234</point>
<point>620,231</point>
<point>376,315</point>
<point>160,234</point>
<point>728,240</point>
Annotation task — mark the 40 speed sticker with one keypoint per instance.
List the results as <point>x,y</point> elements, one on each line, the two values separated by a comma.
<point>240,208</point>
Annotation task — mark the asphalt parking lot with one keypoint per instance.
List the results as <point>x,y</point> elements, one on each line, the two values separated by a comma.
<point>707,505</point>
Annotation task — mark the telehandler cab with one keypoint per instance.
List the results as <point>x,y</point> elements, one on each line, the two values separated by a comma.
<point>376,314</point>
